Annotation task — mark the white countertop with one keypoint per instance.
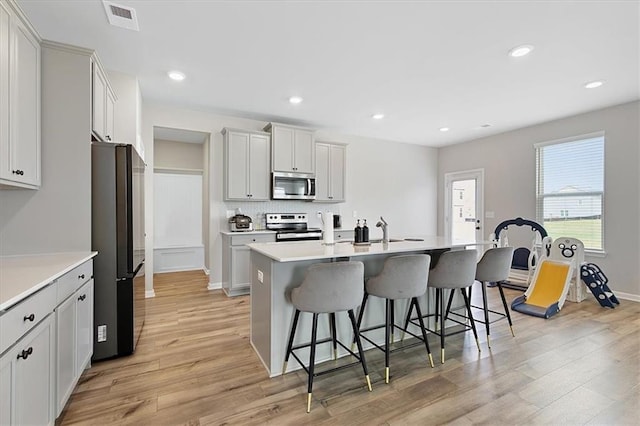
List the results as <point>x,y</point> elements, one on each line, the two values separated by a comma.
<point>21,276</point>
<point>310,250</point>
<point>264,231</point>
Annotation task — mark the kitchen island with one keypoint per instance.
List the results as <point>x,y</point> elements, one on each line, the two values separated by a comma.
<point>276,268</point>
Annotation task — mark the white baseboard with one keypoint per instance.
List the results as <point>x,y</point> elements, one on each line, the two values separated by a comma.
<point>149,294</point>
<point>214,286</point>
<point>206,271</point>
<point>627,296</point>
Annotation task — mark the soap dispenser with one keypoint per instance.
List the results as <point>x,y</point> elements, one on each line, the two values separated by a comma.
<point>365,232</point>
<point>358,233</point>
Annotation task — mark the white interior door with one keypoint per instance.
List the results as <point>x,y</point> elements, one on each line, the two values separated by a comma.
<point>464,207</point>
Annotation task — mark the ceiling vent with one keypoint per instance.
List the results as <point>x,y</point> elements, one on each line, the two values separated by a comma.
<point>121,16</point>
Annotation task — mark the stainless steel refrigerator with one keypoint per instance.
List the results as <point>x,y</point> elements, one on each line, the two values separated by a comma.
<point>117,234</point>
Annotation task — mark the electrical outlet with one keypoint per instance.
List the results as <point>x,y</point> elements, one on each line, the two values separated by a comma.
<point>260,276</point>
<point>102,333</point>
<point>355,214</point>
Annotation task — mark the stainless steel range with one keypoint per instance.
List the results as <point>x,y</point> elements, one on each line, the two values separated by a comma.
<point>292,227</point>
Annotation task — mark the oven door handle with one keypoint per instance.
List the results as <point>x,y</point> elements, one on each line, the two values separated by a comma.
<point>303,235</point>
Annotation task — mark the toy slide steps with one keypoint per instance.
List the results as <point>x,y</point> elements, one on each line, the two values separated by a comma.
<point>548,290</point>
<point>597,281</point>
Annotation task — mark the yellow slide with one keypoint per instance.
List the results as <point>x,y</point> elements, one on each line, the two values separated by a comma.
<point>548,290</point>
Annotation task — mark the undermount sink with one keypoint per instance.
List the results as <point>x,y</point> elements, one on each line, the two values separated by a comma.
<point>391,240</point>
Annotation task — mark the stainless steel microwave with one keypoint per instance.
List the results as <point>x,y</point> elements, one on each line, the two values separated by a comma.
<point>293,186</point>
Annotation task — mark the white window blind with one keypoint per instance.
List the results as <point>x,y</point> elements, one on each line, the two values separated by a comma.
<point>570,189</point>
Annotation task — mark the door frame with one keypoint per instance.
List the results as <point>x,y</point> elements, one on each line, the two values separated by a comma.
<point>478,175</point>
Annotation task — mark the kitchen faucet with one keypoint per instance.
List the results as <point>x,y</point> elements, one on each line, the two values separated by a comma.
<point>385,234</point>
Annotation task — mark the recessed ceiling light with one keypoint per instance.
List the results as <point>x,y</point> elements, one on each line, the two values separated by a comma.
<point>593,84</point>
<point>176,75</point>
<point>378,116</point>
<point>444,129</point>
<point>295,100</point>
<point>520,51</point>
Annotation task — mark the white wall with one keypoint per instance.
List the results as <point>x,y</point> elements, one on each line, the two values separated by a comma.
<point>509,163</point>
<point>178,155</point>
<point>57,217</point>
<point>385,178</point>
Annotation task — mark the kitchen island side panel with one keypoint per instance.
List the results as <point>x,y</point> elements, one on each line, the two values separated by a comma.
<point>261,307</point>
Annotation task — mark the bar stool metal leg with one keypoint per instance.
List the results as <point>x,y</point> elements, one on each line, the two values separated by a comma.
<point>407,319</point>
<point>359,321</point>
<point>437,315</point>
<point>414,301</point>
<point>334,339</point>
<point>485,308</point>
<point>356,334</point>
<point>387,332</point>
<point>290,344</point>
<point>442,325</point>
<point>506,308</point>
<point>473,324</point>
<point>393,319</point>
<point>312,360</point>
<point>449,303</point>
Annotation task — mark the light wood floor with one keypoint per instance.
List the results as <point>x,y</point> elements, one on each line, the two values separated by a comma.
<point>194,365</point>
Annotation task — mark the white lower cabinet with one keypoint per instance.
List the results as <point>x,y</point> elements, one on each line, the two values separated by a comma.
<point>236,261</point>
<point>74,341</point>
<point>46,341</point>
<point>27,378</point>
<point>84,328</point>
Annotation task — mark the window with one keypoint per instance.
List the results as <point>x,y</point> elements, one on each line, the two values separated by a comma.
<point>570,188</point>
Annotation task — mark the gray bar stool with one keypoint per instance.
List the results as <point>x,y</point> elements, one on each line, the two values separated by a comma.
<point>402,277</point>
<point>327,288</point>
<point>455,270</point>
<point>493,267</point>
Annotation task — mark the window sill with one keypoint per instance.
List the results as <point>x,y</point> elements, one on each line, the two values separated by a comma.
<point>595,253</point>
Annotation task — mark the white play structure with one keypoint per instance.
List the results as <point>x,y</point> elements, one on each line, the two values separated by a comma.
<point>551,272</point>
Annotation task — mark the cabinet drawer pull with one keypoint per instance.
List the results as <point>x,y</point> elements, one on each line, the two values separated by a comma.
<point>81,298</point>
<point>81,277</point>
<point>25,353</point>
<point>31,318</point>
<point>108,137</point>
<point>18,172</point>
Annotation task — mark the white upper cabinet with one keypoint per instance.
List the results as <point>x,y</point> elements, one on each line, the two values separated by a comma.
<point>102,104</point>
<point>19,100</point>
<point>246,163</point>
<point>292,149</point>
<point>330,172</point>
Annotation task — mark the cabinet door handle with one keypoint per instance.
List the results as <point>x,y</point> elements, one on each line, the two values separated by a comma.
<point>108,137</point>
<point>18,172</point>
<point>25,353</point>
<point>31,318</point>
<point>81,298</point>
<point>81,277</point>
